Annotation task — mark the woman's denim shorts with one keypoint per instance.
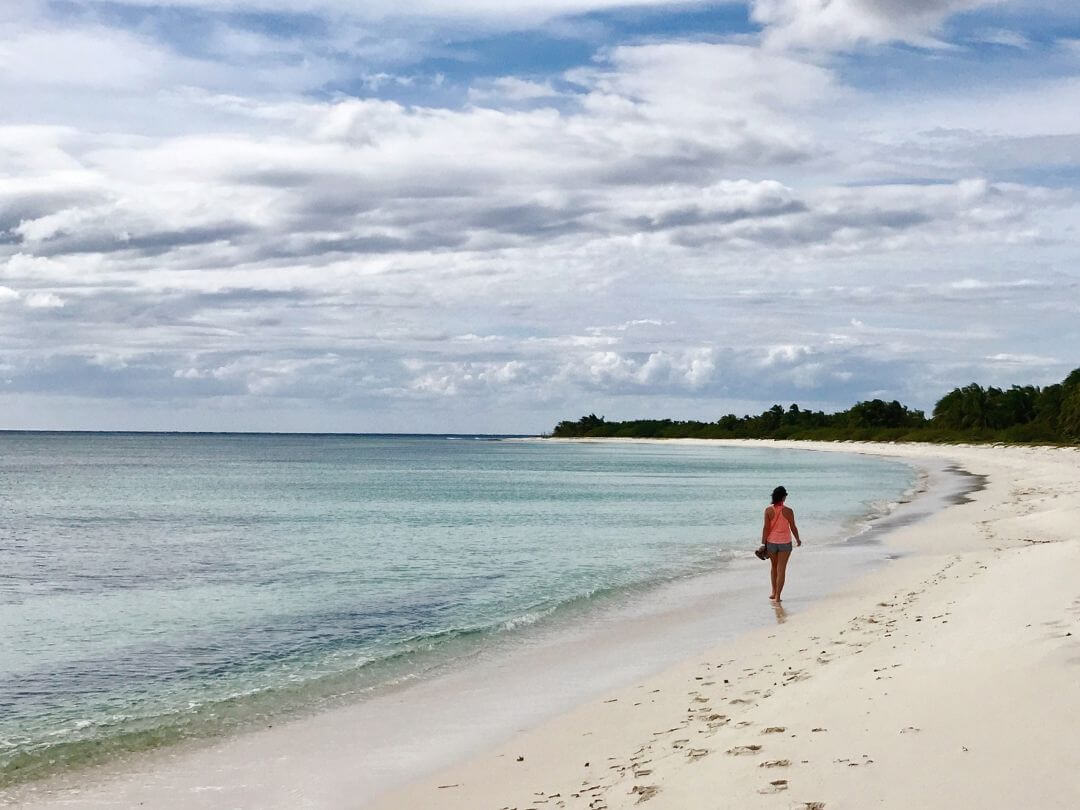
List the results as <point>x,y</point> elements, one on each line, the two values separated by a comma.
<point>775,548</point>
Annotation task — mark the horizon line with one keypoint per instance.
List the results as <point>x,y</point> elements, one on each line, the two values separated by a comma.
<point>121,432</point>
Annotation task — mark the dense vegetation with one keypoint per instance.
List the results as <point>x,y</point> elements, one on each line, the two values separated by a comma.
<point>1028,413</point>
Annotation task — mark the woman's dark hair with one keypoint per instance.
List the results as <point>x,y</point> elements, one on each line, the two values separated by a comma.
<point>778,494</point>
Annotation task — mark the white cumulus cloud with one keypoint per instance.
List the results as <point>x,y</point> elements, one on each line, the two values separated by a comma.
<point>829,24</point>
<point>44,300</point>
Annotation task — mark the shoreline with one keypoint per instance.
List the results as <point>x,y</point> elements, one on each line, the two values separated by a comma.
<point>946,679</point>
<point>685,616</point>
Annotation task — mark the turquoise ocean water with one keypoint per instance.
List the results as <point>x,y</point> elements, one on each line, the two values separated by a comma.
<point>160,587</point>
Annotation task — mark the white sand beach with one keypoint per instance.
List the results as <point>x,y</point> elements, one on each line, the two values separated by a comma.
<point>950,678</point>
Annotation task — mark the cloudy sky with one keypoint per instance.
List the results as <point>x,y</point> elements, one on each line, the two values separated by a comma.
<point>489,215</point>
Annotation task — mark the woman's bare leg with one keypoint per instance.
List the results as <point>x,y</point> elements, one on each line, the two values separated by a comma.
<point>780,561</point>
<point>772,575</point>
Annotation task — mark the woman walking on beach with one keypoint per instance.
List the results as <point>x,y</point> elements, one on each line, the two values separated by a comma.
<point>776,535</point>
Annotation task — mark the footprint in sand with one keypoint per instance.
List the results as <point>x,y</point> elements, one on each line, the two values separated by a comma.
<point>774,730</point>
<point>775,763</point>
<point>645,792</point>
<point>775,786</point>
<point>742,750</point>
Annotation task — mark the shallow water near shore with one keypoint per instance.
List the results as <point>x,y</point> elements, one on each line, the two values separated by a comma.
<point>168,588</point>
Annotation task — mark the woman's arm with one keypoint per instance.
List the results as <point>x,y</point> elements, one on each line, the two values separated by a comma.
<point>791,521</point>
<point>765,526</point>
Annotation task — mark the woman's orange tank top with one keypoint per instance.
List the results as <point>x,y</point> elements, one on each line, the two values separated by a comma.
<point>780,530</point>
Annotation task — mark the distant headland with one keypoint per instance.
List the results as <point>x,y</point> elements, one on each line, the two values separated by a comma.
<point>1020,414</point>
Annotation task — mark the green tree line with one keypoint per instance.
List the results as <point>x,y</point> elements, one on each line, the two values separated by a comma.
<point>972,413</point>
